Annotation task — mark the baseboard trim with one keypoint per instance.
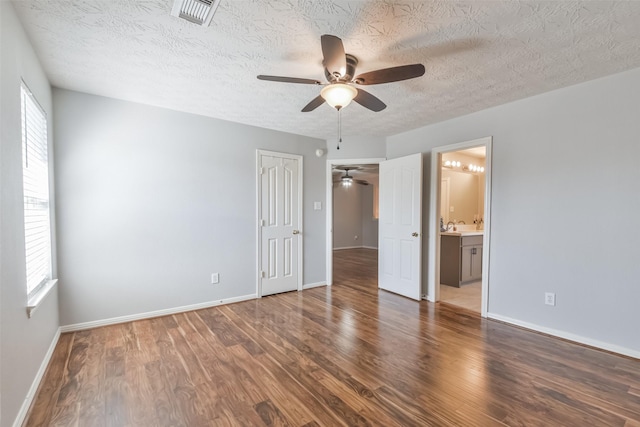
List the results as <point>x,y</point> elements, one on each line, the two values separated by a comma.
<point>313,285</point>
<point>28,400</point>
<point>568,336</point>
<point>152,314</point>
<point>370,247</point>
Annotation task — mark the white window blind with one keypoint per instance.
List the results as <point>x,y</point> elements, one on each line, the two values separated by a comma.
<point>35,175</point>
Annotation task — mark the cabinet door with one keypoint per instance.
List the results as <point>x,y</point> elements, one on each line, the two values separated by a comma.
<point>476,263</point>
<point>466,263</point>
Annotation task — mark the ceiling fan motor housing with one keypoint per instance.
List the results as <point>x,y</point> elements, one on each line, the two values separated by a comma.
<point>352,63</point>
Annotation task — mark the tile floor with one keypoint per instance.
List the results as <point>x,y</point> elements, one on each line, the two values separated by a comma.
<point>468,296</point>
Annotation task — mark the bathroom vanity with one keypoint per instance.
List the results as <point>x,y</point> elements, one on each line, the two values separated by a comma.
<point>460,257</point>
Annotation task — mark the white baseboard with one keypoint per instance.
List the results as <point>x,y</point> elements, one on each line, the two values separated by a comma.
<point>568,336</point>
<point>313,285</point>
<point>151,314</point>
<point>28,400</point>
<point>370,247</point>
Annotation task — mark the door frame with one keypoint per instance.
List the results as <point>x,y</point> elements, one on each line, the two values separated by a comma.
<point>448,181</point>
<point>329,203</point>
<point>433,270</point>
<point>299,158</point>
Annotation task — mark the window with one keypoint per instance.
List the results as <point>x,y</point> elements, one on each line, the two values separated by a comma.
<point>35,183</point>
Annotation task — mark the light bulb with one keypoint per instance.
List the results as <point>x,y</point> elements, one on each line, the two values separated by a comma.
<point>338,95</point>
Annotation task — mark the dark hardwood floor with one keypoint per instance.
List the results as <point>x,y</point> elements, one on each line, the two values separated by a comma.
<point>345,355</point>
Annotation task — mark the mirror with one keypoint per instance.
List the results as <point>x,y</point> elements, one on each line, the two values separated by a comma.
<point>462,190</point>
<point>462,198</point>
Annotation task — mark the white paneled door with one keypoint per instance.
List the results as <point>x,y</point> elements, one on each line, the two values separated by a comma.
<point>400,226</point>
<point>279,218</point>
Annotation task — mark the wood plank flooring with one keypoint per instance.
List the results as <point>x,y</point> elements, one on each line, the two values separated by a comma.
<point>348,355</point>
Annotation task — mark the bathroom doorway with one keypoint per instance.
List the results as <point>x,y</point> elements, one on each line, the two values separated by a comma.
<point>459,225</point>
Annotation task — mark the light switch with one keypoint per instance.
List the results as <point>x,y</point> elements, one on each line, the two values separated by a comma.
<point>451,209</point>
<point>317,206</point>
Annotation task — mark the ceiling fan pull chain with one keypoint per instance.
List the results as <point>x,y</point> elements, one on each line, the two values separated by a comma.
<point>339,127</point>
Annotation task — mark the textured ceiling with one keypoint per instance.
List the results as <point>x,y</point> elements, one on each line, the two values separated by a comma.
<point>477,54</point>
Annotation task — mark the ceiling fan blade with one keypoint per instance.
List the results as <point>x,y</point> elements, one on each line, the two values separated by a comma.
<point>289,80</point>
<point>361,182</point>
<point>335,60</point>
<point>315,103</point>
<point>388,75</point>
<point>369,101</point>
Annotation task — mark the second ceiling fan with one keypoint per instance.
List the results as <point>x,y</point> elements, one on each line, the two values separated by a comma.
<point>339,70</point>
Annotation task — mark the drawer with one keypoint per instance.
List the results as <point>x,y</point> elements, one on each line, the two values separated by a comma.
<point>471,240</point>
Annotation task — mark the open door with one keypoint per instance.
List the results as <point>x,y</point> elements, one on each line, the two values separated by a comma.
<point>400,226</point>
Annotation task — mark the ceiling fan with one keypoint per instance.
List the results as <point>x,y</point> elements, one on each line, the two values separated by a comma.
<point>339,70</point>
<point>348,180</point>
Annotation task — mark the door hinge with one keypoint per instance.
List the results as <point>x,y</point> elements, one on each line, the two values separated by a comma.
<point>261,223</point>
<point>262,170</point>
<point>262,274</point>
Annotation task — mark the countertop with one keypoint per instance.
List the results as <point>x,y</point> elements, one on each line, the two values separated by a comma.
<point>463,233</point>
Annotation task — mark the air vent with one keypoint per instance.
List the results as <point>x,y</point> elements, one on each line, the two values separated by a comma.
<point>197,11</point>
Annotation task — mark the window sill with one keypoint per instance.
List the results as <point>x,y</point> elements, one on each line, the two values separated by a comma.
<point>35,301</point>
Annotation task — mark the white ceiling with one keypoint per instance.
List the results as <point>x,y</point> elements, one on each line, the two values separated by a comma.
<point>477,54</point>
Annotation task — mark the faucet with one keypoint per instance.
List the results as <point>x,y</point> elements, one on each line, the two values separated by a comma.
<point>451,223</point>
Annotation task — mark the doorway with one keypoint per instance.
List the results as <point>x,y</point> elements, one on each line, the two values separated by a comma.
<point>349,239</point>
<point>459,257</point>
<point>400,224</point>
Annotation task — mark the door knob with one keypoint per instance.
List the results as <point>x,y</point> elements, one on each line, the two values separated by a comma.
<point>296,231</point>
<point>414,234</point>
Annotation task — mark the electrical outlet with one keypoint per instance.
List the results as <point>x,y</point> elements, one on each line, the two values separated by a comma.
<point>550,298</point>
<point>215,278</point>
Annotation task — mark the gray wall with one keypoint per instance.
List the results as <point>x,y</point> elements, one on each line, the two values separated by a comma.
<point>347,216</point>
<point>152,201</point>
<point>565,181</point>
<point>353,223</point>
<point>24,341</point>
<point>356,147</point>
<point>369,223</point>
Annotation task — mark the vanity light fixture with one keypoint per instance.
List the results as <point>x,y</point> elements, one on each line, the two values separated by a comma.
<point>467,168</point>
<point>451,164</point>
<point>473,168</point>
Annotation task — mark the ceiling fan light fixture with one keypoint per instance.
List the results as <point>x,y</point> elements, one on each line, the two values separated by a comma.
<point>338,95</point>
<point>346,181</point>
